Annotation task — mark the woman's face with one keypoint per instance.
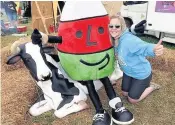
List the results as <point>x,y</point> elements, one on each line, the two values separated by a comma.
<point>115,28</point>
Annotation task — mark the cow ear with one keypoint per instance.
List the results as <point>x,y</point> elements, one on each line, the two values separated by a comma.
<point>13,59</point>
<point>48,49</point>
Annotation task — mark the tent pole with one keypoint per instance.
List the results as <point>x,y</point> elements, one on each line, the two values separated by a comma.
<point>42,18</point>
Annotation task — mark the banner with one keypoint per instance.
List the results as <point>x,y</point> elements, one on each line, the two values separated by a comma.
<point>165,6</point>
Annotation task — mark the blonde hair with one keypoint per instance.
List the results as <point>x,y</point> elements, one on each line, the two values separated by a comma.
<point>122,22</point>
<point>121,19</point>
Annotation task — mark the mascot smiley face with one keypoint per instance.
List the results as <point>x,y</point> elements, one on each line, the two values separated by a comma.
<point>86,52</point>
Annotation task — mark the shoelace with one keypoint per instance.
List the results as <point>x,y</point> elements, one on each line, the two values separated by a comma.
<point>122,109</point>
<point>98,117</point>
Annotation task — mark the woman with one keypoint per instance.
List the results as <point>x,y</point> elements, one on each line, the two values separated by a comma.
<point>131,53</point>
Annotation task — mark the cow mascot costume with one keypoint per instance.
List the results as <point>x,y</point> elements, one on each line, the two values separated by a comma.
<point>86,54</point>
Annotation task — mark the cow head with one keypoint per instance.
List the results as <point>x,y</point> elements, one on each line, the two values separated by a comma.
<point>33,60</point>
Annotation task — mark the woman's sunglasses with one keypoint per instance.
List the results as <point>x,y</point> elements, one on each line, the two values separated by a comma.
<point>114,26</point>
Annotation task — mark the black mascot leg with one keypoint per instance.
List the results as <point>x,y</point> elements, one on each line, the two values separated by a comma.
<point>108,88</point>
<point>120,115</point>
<point>94,97</point>
<point>101,117</point>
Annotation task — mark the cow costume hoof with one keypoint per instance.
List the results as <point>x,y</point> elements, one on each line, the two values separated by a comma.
<point>40,108</point>
<point>102,119</point>
<point>76,107</point>
<point>77,104</point>
<point>120,115</point>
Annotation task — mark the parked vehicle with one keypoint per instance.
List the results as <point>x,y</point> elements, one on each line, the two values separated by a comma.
<point>160,16</point>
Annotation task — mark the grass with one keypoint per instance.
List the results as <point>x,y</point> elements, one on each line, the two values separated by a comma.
<point>44,119</point>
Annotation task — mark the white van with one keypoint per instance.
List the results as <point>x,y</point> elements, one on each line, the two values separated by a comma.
<point>160,16</point>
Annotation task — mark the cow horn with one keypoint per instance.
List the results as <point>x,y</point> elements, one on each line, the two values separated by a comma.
<point>15,46</point>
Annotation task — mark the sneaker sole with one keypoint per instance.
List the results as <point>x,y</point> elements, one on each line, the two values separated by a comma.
<point>122,123</point>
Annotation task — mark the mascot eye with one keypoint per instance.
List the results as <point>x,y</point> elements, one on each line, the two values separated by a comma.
<point>101,30</point>
<point>79,34</point>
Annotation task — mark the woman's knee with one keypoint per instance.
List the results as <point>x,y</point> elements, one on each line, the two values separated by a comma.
<point>133,101</point>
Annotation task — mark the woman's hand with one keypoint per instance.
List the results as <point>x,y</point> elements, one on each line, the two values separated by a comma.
<point>158,49</point>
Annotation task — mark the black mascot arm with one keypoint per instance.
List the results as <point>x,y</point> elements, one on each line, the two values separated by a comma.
<point>50,39</point>
<point>39,37</point>
<point>138,29</point>
<point>54,39</point>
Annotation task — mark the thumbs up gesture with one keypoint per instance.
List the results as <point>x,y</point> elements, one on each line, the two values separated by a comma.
<point>158,49</point>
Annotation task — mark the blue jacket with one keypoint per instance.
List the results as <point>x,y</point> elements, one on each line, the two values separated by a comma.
<point>132,53</point>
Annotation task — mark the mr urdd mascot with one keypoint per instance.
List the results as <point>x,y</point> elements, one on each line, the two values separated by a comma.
<point>86,54</point>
